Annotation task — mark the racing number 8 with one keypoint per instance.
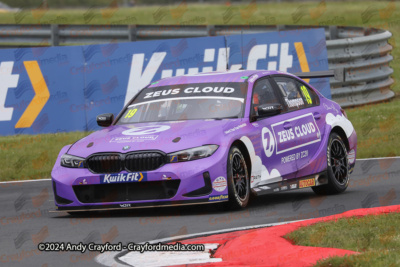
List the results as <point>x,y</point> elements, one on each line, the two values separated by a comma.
<point>306,94</point>
<point>130,113</point>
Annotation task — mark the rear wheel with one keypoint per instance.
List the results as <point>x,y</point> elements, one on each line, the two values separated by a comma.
<point>338,167</point>
<point>238,180</point>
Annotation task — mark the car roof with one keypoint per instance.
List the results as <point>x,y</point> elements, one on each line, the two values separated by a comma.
<point>205,77</point>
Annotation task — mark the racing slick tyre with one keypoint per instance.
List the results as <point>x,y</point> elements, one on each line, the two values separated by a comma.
<point>338,167</point>
<point>238,180</point>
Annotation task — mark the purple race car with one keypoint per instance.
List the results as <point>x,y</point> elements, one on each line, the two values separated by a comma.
<point>210,138</point>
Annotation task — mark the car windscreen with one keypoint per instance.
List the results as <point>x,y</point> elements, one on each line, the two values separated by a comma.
<point>187,102</point>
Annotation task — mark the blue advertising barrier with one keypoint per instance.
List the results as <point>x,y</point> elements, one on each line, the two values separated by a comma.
<point>62,89</point>
<point>300,50</point>
<point>125,68</point>
<point>26,74</point>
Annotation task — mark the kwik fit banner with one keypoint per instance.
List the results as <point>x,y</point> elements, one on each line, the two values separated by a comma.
<point>62,89</point>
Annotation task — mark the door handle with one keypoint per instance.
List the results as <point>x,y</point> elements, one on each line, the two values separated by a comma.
<point>317,116</point>
<point>287,125</point>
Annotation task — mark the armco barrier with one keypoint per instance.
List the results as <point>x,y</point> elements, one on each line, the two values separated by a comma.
<point>366,60</point>
<point>365,52</point>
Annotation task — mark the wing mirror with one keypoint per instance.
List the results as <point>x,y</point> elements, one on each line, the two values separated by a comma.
<point>105,120</point>
<point>266,110</point>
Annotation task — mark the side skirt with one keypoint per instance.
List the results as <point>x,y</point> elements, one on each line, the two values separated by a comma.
<point>292,184</point>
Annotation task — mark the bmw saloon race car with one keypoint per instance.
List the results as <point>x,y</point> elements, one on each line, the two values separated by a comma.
<point>210,138</point>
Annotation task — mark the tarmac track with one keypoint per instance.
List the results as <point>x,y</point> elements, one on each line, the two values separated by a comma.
<point>25,220</point>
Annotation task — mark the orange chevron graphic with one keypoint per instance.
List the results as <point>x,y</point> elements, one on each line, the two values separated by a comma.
<point>141,177</point>
<point>40,99</point>
<point>302,58</point>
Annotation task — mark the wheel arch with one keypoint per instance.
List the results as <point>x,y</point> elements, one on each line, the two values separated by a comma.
<point>342,134</point>
<point>246,154</point>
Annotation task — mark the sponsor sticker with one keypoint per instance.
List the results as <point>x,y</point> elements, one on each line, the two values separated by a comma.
<point>268,141</point>
<point>218,198</point>
<point>294,102</point>
<point>351,156</point>
<point>190,90</point>
<point>235,128</point>
<point>306,183</point>
<point>165,177</point>
<point>332,107</point>
<point>123,178</point>
<point>255,178</point>
<point>283,188</point>
<point>85,181</point>
<point>143,130</point>
<point>253,78</point>
<point>130,113</point>
<point>276,189</point>
<point>216,89</point>
<point>264,187</point>
<point>302,132</point>
<point>129,139</point>
<point>219,184</point>
<point>125,205</point>
<point>306,94</point>
<point>173,158</point>
<point>293,186</point>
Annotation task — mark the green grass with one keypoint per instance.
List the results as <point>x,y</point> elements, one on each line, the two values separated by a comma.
<point>32,156</point>
<point>377,238</point>
<point>377,129</point>
<point>375,124</point>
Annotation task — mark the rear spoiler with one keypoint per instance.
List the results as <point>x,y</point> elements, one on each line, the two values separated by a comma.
<point>338,74</point>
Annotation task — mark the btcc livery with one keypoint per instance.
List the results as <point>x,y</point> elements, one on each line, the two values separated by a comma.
<point>216,137</point>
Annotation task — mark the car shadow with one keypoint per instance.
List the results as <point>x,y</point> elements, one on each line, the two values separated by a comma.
<point>284,200</point>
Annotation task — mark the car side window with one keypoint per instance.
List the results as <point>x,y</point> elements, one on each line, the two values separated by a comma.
<point>291,92</point>
<point>263,93</point>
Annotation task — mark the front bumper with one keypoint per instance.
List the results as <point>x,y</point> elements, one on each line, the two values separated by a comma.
<point>173,184</point>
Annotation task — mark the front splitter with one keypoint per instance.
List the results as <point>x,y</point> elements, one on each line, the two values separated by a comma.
<point>133,206</point>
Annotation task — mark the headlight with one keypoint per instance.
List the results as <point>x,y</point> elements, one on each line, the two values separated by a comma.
<point>72,161</point>
<point>192,153</point>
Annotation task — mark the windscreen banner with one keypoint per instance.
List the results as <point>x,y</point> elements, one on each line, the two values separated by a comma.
<point>63,89</point>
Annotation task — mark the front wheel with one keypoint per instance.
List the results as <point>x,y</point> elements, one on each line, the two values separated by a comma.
<point>238,180</point>
<point>338,167</point>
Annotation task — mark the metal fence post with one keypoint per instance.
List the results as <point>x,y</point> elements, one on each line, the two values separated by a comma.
<point>132,33</point>
<point>55,38</point>
<point>211,30</point>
